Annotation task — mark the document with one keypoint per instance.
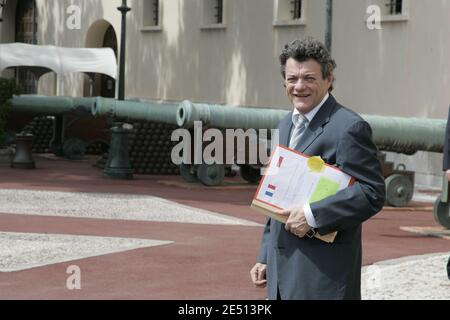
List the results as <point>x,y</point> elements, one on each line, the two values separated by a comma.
<point>294,179</point>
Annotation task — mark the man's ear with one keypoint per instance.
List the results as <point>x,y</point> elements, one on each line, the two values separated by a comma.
<point>331,81</point>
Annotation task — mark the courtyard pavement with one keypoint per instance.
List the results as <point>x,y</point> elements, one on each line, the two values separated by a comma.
<point>160,238</point>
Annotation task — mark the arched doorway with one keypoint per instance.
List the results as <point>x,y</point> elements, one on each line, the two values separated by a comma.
<point>101,35</point>
<point>108,84</point>
<point>26,30</point>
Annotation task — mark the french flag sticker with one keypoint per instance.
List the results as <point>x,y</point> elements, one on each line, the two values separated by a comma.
<point>271,190</point>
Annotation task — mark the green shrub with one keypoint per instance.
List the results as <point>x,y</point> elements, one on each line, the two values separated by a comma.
<point>7,89</point>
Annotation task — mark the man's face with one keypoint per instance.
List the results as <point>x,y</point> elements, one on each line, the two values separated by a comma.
<point>305,86</point>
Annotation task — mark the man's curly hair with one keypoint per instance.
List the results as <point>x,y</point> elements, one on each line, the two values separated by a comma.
<point>302,50</point>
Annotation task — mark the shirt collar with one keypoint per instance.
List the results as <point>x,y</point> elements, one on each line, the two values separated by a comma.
<point>310,115</point>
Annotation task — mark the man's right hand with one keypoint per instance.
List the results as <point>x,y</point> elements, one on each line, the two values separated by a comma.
<point>258,274</point>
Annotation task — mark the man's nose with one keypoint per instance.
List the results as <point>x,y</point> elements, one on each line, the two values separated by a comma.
<point>300,84</point>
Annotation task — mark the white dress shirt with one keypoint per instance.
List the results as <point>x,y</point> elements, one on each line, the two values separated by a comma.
<point>310,115</point>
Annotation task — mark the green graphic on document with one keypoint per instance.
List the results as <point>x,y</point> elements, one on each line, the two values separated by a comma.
<point>325,188</point>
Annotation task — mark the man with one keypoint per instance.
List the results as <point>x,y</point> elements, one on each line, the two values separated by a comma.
<point>292,263</point>
<point>446,166</point>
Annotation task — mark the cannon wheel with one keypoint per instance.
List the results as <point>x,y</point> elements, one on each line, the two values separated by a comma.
<point>74,149</point>
<point>187,172</point>
<point>250,174</point>
<point>399,190</point>
<point>441,213</point>
<point>211,175</point>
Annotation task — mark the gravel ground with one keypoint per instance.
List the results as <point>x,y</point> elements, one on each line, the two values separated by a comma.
<point>109,206</point>
<point>21,251</point>
<point>409,278</point>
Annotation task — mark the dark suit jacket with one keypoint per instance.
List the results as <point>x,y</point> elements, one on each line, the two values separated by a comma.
<point>446,162</point>
<point>304,268</point>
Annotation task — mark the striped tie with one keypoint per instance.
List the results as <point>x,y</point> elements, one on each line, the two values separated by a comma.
<point>300,125</point>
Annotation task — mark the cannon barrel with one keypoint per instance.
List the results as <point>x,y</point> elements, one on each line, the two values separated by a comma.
<point>407,135</point>
<point>396,134</point>
<point>39,104</point>
<point>219,116</point>
<point>151,111</point>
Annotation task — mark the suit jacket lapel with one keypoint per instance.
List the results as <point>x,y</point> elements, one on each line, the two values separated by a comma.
<point>315,128</point>
<point>285,130</point>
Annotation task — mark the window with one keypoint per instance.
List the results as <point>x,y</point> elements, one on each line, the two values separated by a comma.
<point>218,11</point>
<point>289,12</point>
<point>213,13</point>
<point>392,10</point>
<point>296,9</point>
<point>151,15</point>
<point>395,6</point>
